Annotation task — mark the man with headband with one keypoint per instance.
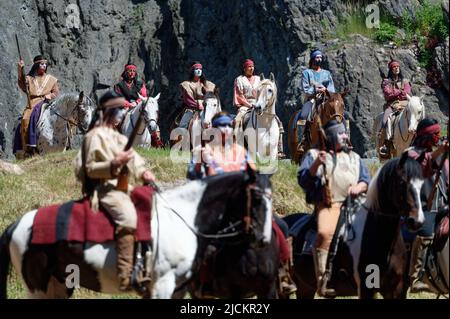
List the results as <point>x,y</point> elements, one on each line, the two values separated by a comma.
<point>315,80</point>
<point>245,95</point>
<point>220,155</point>
<point>427,138</point>
<point>347,176</point>
<point>193,91</point>
<point>245,89</point>
<point>98,165</point>
<point>395,89</point>
<point>130,87</point>
<point>42,88</point>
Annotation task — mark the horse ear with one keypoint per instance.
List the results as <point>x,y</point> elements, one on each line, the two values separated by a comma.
<point>421,98</point>
<point>251,174</point>
<point>272,77</point>
<point>403,159</point>
<point>216,91</point>
<point>346,91</point>
<point>408,97</point>
<point>157,96</point>
<point>143,98</point>
<point>81,97</point>
<point>262,76</point>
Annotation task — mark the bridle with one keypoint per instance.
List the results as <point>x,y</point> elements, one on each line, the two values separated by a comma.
<point>146,118</point>
<point>230,230</point>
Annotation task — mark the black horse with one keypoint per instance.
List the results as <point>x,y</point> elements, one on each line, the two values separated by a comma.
<point>371,255</point>
<point>243,260</point>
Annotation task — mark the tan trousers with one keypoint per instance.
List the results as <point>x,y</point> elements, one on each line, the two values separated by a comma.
<point>24,127</point>
<point>240,115</point>
<point>119,205</point>
<point>327,219</point>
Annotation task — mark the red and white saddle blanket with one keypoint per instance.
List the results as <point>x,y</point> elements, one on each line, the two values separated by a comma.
<point>76,221</point>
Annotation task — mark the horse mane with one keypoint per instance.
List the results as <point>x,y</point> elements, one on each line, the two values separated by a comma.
<point>210,95</point>
<point>64,98</point>
<point>221,191</point>
<point>385,181</point>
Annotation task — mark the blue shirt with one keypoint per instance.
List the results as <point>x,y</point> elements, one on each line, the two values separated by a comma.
<point>312,185</point>
<point>311,79</point>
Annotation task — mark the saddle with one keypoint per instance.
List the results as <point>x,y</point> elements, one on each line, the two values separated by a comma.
<point>304,231</point>
<point>76,221</point>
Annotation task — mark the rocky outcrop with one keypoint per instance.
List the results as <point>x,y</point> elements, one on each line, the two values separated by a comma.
<point>89,42</point>
<point>441,54</point>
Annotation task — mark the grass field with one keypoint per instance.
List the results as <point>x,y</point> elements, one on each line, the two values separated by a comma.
<point>50,179</point>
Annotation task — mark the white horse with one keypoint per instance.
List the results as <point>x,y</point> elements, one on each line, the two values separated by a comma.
<point>174,232</point>
<point>404,126</point>
<point>60,120</point>
<point>147,126</point>
<point>202,121</point>
<point>262,131</point>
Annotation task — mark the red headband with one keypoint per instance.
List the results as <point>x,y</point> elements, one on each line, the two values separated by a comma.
<point>196,66</point>
<point>393,63</point>
<point>248,63</point>
<point>131,67</point>
<point>432,129</point>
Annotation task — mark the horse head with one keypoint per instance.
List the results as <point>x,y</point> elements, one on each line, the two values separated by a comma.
<point>237,207</point>
<point>84,108</point>
<point>267,96</point>
<point>398,185</point>
<point>211,106</point>
<point>150,111</point>
<point>258,211</point>
<point>416,112</point>
<point>333,107</point>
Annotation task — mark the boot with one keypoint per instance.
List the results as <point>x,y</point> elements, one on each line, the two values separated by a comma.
<point>417,263</point>
<point>287,285</point>
<point>125,250</point>
<point>322,273</point>
<point>300,130</point>
<point>156,140</point>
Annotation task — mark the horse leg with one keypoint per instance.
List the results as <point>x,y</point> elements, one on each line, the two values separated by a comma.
<point>55,290</point>
<point>164,286</point>
<point>270,293</point>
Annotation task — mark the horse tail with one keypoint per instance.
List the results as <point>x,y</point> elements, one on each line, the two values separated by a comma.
<point>4,260</point>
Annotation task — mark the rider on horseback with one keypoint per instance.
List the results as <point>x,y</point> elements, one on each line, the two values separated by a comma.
<point>315,82</point>
<point>193,92</point>
<point>347,176</point>
<point>225,155</point>
<point>244,98</point>
<point>42,88</point>
<point>428,135</point>
<point>131,89</point>
<point>98,165</point>
<point>395,89</point>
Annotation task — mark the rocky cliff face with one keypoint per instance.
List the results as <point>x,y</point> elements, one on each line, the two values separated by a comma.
<point>163,36</point>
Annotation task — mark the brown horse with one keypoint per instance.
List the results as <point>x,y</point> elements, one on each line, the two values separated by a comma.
<point>331,108</point>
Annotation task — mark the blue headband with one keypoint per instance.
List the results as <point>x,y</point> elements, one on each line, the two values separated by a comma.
<point>315,53</point>
<point>222,121</point>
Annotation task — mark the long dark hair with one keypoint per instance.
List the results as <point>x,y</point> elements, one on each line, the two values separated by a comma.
<point>191,74</point>
<point>425,139</point>
<point>34,69</point>
<point>391,75</point>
